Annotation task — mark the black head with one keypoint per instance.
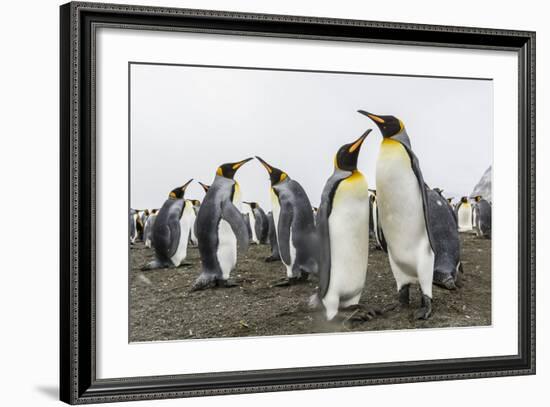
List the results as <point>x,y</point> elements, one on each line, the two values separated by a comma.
<point>347,155</point>
<point>477,198</point>
<point>275,174</point>
<point>464,199</point>
<point>195,202</point>
<point>204,186</point>
<point>389,125</point>
<point>154,211</point>
<point>179,192</point>
<point>228,170</point>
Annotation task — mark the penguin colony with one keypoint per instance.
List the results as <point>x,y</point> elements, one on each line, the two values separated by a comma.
<point>417,226</point>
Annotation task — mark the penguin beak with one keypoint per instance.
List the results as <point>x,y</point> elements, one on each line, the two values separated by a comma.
<point>357,144</point>
<point>374,118</point>
<point>184,187</point>
<point>266,165</point>
<point>238,165</point>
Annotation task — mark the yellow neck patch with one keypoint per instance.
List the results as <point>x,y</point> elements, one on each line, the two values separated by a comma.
<point>219,171</point>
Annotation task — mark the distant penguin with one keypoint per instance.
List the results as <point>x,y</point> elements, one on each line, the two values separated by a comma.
<point>171,230</point>
<point>251,220</point>
<point>148,228</point>
<point>204,186</point>
<point>482,224</point>
<point>246,217</point>
<point>294,223</point>
<point>193,241</point>
<point>193,233</point>
<point>275,256</point>
<point>259,222</point>
<point>464,215</point>
<point>443,227</point>
<point>403,209</point>
<point>343,230</point>
<point>450,202</point>
<point>133,226</point>
<point>379,240</point>
<point>220,226</point>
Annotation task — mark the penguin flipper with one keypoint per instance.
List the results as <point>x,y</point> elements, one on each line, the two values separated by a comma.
<point>283,228</point>
<point>233,216</point>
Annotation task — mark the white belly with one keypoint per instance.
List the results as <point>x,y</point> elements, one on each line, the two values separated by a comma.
<point>227,248</point>
<point>401,215</point>
<point>465,217</point>
<point>186,221</point>
<point>349,239</point>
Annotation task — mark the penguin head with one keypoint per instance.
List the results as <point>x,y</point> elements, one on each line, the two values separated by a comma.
<point>275,174</point>
<point>195,202</point>
<point>154,211</point>
<point>253,205</point>
<point>347,155</point>
<point>179,192</point>
<point>204,186</point>
<point>477,198</point>
<point>464,199</point>
<point>389,125</point>
<point>228,170</point>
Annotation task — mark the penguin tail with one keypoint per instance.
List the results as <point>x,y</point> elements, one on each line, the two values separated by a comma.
<point>204,280</point>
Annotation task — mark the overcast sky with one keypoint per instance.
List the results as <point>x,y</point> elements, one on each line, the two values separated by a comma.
<point>185,121</point>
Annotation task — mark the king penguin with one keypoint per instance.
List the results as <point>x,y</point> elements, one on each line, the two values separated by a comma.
<point>133,226</point>
<point>258,222</point>
<point>220,226</point>
<point>171,230</point>
<point>343,231</point>
<point>482,211</point>
<point>195,205</point>
<point>464,215</point>
<point>294,226</point>
<point>148,228</point>
<point>403,212</point>
<point>443,226</point>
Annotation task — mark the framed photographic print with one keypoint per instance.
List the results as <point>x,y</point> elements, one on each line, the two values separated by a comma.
<point>256,203</point>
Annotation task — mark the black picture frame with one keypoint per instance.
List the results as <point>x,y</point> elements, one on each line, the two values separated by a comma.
<point>78,382</point>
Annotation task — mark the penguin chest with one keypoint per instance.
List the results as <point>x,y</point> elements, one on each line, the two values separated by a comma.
<point>185,223</point>
<point>349,236</point>
<point>227,248</point>
<point>400,206</point>
<point>465,217</point>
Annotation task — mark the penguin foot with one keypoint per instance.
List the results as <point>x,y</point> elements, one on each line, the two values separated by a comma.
<point>425,311</point>
<point>271,259</point>
<point>204,281</point>
<point>185,264</point>
<point>156,264</point>
<point>448,283</point>
<point>362,312</point>
<point>226,284</point>
<point>286,282</point>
